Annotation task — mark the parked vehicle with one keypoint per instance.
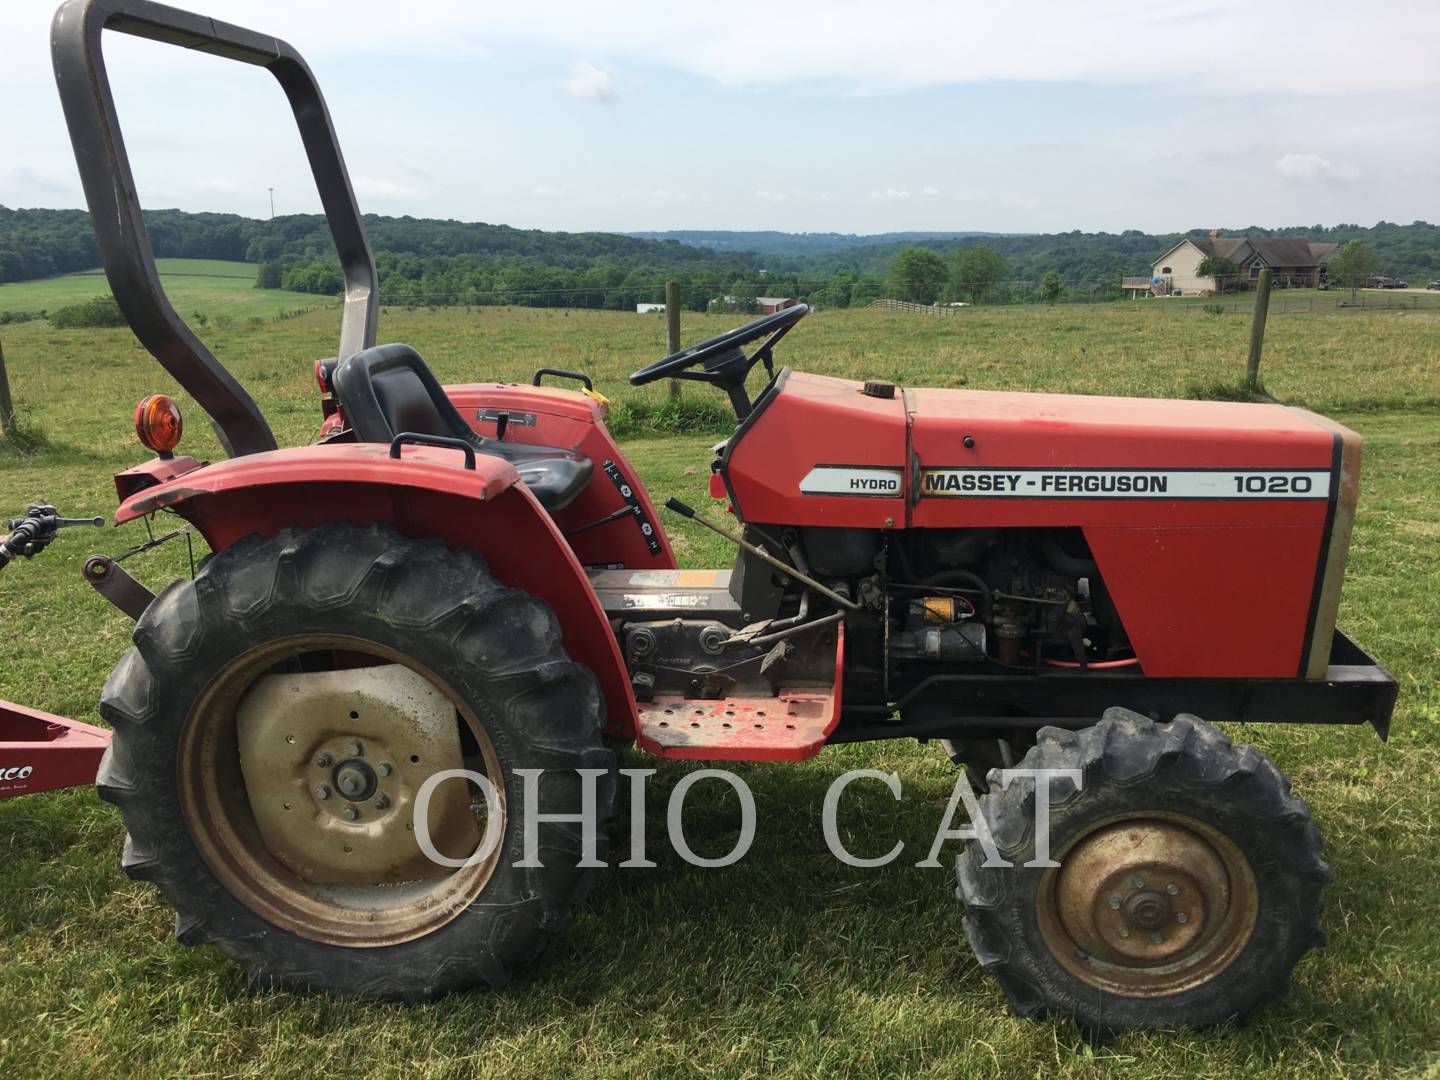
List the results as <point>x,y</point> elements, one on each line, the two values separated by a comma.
<point>474,576</point>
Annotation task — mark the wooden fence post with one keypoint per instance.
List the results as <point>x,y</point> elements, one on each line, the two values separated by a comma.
<point>7,407</point>
<point>1257,332</point>
<point>672,329</point>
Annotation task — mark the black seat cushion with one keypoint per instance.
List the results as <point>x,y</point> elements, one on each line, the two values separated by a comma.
<point>387,390</point>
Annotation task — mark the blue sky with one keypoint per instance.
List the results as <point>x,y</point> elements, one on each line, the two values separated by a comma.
<point>836,116</point>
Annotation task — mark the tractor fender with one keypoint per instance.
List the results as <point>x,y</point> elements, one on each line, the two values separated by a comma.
<point>427,492</point>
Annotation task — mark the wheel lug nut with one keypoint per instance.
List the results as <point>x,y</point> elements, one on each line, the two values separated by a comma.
<point>1181,918</point>
<point>384,768</point>
<point>323,761</point>
<point>1124,931</point>
<point>1157,937</point>
<point>350,813</point>
<point>1172,888</point>
<point>1138,881</point>
<point>322,791</point>
<point>1114,901</point>
<point>382,802</point>
<point>355,749</point>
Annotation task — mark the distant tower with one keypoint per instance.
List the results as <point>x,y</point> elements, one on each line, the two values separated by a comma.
<point>272,203</point>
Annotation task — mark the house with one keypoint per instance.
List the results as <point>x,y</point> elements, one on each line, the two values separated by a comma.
<point>1293,260</point>
<point>771,304</point>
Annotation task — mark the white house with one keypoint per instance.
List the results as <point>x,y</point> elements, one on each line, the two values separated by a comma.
<point>1293,261</point>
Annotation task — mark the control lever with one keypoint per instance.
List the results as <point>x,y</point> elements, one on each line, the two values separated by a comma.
<point>32,533</point>
<point>676,506</point>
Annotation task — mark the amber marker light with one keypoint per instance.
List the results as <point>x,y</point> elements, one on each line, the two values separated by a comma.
<point>158,424</point>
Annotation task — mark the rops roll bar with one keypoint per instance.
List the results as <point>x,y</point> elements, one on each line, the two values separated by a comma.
<point>115,207</point>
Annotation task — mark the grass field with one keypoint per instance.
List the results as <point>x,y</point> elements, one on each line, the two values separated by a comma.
<point>217,289</point>
<point>788,963</point>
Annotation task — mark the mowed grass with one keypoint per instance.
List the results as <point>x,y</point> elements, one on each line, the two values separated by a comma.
<point>788,963</point>
<point>213,287</point>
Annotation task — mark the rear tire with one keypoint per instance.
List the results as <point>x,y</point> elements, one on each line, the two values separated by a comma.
<point>494,650</point>
<point>1188,888</point>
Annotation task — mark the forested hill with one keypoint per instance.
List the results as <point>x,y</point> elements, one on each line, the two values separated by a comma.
<point>800,245</point>
<point>429,261</point>
<point>1080,258</point>
<point>41,243</point>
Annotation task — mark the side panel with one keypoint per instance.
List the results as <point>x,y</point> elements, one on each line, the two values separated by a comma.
<point>1224,602</point>
<point>425,494</point>
<point>819,452</point>
<point>557,416</point>
<point>1207,520</point>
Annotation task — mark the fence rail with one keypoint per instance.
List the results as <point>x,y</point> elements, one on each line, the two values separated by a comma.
<point>1215,305</point>
<point>916,309</point>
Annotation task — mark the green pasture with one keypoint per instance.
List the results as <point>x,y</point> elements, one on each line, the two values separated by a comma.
<point>788,963</point>
<point>217,289</point>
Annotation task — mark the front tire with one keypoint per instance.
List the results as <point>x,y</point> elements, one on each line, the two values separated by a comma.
<point>1188,886</point>
<point>203,818</point>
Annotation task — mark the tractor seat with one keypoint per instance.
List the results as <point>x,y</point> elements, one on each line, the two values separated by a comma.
<point>387,390</point>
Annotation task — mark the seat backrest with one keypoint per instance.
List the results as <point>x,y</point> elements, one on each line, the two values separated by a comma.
<point>388,389</point>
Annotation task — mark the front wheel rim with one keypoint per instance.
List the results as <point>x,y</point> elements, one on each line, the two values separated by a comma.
<point>1148,904</point>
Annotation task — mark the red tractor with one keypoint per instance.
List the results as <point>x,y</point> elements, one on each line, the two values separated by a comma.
<point>474,576</point>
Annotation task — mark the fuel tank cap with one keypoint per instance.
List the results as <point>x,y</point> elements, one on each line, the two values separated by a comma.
<point>881,388</point>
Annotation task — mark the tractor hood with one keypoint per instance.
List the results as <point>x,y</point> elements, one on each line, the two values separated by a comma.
<point>1216,522</point>
<point>1069,431</point>
<point>823,451</point>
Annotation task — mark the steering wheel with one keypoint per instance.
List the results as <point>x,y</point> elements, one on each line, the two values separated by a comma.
<point>721,360</point>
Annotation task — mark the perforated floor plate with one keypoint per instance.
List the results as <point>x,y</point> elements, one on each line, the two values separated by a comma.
<point>790,727</point>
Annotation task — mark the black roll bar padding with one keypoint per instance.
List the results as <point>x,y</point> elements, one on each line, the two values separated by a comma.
<point>420,438</point>
<point>115,209</point>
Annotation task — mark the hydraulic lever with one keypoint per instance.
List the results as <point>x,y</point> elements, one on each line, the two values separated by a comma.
<point>32,533</point>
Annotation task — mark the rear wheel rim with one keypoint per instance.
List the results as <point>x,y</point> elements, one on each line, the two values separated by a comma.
<point>1148,905</point>
<point>215,802</point>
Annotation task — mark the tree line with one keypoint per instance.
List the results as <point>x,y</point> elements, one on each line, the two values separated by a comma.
<point>429,261</point>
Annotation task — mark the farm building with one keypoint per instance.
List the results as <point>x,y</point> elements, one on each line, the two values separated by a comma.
<point>646,309</point>
<point>1294,260</point>
<point>771,304</point>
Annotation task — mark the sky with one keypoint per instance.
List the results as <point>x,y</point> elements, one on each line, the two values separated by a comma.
<point>799,116</point>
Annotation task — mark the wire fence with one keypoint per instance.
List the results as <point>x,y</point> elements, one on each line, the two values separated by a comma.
<point>738,296</point>
<point>1281,305</point>
<point>741,299</point>
<point>926,298</point>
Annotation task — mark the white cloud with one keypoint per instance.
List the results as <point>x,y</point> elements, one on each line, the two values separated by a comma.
<point>23,176</point>
<point>371,187</point>
<point>1189,46</point>
<point>772,196</point>
<point>588,83</point>
<point>546,191</point>
<point>1208,105</point>
<point>929,191</point>
<point>1314,167</point>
